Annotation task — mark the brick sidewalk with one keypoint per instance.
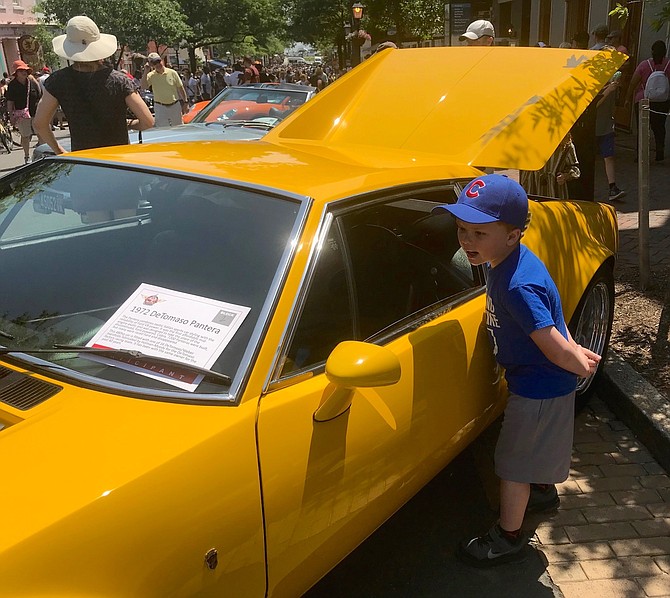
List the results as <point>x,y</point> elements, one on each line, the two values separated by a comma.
<point>611,536</point>
<point>627,210</point>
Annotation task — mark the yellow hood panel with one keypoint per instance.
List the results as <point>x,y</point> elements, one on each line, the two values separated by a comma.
<point>496,107</point>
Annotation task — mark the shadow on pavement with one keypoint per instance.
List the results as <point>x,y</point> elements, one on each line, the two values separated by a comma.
<point>412,554</point>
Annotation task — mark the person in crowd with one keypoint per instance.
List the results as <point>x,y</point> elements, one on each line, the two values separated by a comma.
<point>479,33</point>
<point>94,97</point>
<point>385,46</point>
<point>659,110</point>
<point>192,86</point>
<point>43,76</point>
<point>170,101</point>
<point>236,75</point>
<point>250,74</point>
<point>604,125</point>
<point>584,138</point>
<point>605,105</point>
<point>219,80</point>
<point>552,179</point>
<point>206,83</point>
<point>565,45</point>
<point>23,95</point>
<point>580,40</point>
<point>614,39</point>
<point>530,339</point>
<point>600,34</point>
<point>319,79</point>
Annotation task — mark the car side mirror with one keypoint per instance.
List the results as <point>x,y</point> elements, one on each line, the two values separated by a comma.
<point>354,364</point>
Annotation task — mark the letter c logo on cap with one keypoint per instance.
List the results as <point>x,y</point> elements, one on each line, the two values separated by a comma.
<point>474,187</point>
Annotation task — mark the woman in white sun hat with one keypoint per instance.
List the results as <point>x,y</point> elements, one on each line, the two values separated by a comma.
<point>93,96</point>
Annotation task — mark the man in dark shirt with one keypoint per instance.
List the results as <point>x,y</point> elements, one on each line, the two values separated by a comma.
<point>93,96</point>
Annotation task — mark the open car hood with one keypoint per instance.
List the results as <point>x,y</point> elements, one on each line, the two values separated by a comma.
<point>499,107</point>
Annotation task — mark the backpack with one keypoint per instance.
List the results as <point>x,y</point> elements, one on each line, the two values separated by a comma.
<point>657,87</point>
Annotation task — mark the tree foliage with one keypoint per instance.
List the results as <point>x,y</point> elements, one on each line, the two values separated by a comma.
<point>621,12</point>
<point>313,21</point>
<point>240,25</point>
<point>133,22</point>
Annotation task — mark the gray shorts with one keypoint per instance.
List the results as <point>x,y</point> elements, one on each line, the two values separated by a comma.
<point>535,442</point>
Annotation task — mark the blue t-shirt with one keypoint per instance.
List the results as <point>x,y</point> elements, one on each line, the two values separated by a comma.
<point>521,297</point>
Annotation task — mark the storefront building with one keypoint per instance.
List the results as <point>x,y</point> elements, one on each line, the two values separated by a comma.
<point>17,27</point>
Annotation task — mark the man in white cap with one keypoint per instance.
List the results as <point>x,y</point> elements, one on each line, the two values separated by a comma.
<point>170,100</point>
<point>94,97</point>
<point>479,33</point>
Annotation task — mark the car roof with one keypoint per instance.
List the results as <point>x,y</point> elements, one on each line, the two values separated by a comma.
<point>475,107</point>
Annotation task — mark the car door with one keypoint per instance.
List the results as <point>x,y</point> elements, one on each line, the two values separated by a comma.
<point>389,271</point>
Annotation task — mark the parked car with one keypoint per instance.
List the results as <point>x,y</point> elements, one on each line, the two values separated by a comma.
<point>225,364</point>
<point>251,101</point>
<point>214,131</point>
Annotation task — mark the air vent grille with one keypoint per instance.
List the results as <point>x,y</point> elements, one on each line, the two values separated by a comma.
<point>24,392</point>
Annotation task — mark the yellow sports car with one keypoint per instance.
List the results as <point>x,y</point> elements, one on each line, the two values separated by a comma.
<point>225,364</point>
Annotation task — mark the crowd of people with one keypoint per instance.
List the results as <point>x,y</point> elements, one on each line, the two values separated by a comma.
<point>91,86</point>
<point>100,102</point>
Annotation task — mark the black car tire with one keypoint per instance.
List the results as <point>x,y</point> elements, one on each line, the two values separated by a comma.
<point>591,326</point>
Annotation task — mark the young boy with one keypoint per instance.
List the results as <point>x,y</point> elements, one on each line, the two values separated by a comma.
<point>542,362</point>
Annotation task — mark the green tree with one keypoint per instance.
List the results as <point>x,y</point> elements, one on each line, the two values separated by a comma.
<point>44,35</point>
<point>133,22</point>
<point>236,25</point>
<point>321,22</point>
<point>622,12</point>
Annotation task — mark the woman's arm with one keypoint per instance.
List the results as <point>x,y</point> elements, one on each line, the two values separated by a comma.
<point>145,119</point>
<point>42,121</point>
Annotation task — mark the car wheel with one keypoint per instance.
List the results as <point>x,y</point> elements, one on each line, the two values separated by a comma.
<point>591,326</point>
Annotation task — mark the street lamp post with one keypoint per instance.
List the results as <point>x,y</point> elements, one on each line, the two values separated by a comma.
<point>347,44</point>
<point>357,13</point>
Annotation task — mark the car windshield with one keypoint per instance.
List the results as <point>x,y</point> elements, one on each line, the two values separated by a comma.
<point>115,258</point>
<point>244,103</point>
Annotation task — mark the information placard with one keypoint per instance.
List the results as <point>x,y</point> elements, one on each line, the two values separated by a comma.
<point>165,323</point>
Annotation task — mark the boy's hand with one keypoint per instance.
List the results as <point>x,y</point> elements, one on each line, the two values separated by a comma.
<point>592,359</point>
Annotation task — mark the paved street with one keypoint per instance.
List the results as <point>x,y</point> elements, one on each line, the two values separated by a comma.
<point>9,162</point>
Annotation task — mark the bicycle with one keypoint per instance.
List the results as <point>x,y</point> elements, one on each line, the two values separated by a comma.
<point>6,137</point>
<point>9,135</point>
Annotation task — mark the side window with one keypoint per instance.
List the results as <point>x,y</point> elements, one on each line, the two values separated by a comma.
<point>378,265</point>
<point>326,318</point>
<point>403,258</point>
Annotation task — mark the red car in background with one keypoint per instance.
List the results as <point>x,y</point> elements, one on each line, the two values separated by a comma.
<point>248,102</point>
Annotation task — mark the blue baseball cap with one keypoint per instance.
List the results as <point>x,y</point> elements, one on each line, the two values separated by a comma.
<point>491,198</point>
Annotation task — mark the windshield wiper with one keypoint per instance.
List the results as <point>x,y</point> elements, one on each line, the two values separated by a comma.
<point>243,123</point>
<point>6,335</point>
<point>112,353</point>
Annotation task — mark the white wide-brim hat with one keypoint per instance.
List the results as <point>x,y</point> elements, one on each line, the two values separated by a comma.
<point>83,41</point>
